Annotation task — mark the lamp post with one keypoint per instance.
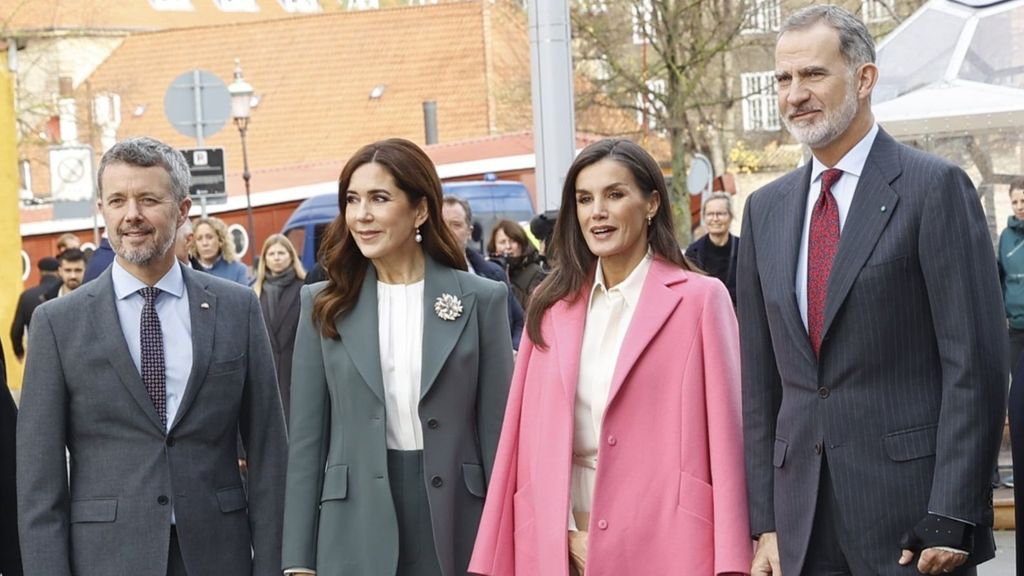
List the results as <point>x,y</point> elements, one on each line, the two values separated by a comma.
<point>241,104</point>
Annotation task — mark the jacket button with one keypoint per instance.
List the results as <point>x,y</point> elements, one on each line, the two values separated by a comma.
<point>436,482</point>
<point>169,441</point>
<point>162,500</point>
<point>818,448</point>
<point>433,423</point>
<point>612,440</point>
<point>602,524</point>
<point>823,392</point>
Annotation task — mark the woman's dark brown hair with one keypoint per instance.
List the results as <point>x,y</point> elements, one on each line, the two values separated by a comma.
<point>515,233</point>
<point>344,265</point>
<point>574,262</point>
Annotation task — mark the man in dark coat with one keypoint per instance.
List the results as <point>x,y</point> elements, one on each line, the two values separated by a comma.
<point>458,216</point>
<point>47,289</point>
<point>10,556</point>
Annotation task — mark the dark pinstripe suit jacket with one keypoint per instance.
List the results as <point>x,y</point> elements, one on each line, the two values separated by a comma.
<point>906,399</point>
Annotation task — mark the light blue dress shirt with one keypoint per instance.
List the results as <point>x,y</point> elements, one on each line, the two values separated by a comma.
<point>175,326</point>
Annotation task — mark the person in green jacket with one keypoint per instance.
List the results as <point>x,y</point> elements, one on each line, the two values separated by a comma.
<point>1011,272</point>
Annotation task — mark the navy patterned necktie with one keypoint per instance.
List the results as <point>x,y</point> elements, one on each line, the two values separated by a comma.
<point>821,251</point>
<point>154,375</point>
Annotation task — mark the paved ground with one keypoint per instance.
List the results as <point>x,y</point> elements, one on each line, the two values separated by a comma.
<point>1003,563</point>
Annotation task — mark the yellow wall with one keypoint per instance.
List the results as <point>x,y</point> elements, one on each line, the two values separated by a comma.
<point>10,235</point>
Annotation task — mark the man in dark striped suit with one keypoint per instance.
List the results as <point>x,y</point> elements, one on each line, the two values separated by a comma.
<point>872,335</point>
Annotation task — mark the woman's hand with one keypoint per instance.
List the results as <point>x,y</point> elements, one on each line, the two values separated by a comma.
<point>578,550</point>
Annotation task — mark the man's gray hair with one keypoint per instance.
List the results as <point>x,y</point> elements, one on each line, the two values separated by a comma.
<point>146,152</point>
<point>717,196</point>
<point>855,42</point>
<point>451,200</point>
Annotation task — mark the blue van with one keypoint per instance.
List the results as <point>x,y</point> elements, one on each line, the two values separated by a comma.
<point>490,199</point>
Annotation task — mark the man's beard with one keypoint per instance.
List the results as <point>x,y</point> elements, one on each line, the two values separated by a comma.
<point>156,247</point>
<point>824,132</point>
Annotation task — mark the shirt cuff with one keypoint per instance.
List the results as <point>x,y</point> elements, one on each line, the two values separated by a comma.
<point>299,571</point>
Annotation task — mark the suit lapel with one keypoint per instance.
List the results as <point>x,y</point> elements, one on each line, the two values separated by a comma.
<point>440,336</point>
<point>873,204</point>
<point>360,334</point>
<point>202,308</point>
<point>115,348</point>
<point>655,306</point>
<point>792,210</point>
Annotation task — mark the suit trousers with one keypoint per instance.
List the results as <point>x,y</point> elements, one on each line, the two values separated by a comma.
<point>829,553</point>
<point>175,563</point>
<point>416,553</point>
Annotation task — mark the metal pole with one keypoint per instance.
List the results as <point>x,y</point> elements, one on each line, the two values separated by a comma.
<point>430,121</point>
<point>197,93</point>
<point>554,120</point>
<point>242,129</point>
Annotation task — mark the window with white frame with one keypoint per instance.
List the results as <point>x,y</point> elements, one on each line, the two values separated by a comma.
<point>237,5</point>
<point>875,10</point>
<point>172,5</point>
<point>760,101</point>
<point>649,105</point>
<point>300,5</point>
<point>363,4</point>
<point>643,18</point>
<point>762,16</point>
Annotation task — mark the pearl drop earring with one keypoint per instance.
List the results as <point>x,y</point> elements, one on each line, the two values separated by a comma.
<point>419,237</point>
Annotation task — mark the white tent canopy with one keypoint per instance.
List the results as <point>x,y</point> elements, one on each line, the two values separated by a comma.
<point>951,69</point>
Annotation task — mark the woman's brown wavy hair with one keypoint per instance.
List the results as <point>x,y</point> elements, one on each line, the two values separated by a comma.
<point>515,233</point>
<point>573,261</point>
<point>344,265</point>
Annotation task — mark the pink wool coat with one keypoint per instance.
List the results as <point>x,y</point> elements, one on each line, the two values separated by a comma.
<point>670,495</point>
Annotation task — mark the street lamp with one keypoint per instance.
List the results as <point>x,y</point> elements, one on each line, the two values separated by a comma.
<point>241,100</point>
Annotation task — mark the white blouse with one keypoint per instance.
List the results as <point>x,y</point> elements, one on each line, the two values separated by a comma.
<point>400,323</point>
<point>608,316</point>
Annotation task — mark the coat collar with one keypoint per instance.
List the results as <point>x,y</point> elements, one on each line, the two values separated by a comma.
<point>202,314</point>
<point>657,302</point>
<point>360,330</point>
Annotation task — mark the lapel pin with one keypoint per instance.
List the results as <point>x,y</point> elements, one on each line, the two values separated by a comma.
<point>448,307</point>
<point>883,208</point>
<point>206,306</point>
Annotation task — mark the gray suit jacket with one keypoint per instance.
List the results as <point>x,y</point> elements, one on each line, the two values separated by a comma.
<point>339,513</point>
<point>82,391</point>
<point>907,398</point>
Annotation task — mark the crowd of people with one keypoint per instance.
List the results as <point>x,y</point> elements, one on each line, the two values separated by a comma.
<point>825,398</point>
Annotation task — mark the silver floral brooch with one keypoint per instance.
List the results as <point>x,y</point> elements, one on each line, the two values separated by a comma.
<point>448,307</point>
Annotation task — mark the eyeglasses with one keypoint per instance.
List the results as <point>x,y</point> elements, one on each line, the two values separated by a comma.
<point>714,215</point>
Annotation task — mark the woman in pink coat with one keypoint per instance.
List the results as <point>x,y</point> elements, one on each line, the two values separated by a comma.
<point>621,447</point>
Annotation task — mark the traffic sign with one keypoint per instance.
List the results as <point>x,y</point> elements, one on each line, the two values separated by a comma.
<point>197,104</point>
<point>209,182</point>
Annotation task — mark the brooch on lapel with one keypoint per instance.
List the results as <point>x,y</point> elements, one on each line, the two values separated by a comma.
<point>448,307</point>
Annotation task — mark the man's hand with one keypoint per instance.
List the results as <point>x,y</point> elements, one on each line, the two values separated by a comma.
<point>935,560</point>
<point>766,557</point>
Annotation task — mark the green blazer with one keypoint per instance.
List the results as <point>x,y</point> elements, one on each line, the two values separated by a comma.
<point>339,514</point>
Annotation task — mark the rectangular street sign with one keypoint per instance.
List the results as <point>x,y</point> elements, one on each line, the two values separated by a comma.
<point>208,176</point>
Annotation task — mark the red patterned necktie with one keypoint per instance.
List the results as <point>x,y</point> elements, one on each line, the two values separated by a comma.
<point>154,374</point>
<point>821,251</point>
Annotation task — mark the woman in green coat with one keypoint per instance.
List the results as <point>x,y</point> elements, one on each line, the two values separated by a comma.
<point>400,376</point>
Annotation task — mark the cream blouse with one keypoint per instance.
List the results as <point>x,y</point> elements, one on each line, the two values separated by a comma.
<point>608,316</point>
<point>400,324</point>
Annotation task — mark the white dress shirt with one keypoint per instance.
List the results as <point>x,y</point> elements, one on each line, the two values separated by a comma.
<point>852,165</point>
<point>175,326</point>
<point>609,313</point>
<point>400,319</point>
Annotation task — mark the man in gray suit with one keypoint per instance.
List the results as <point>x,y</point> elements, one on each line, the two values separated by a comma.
<point>871,335</point>
<point>147,376</point>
